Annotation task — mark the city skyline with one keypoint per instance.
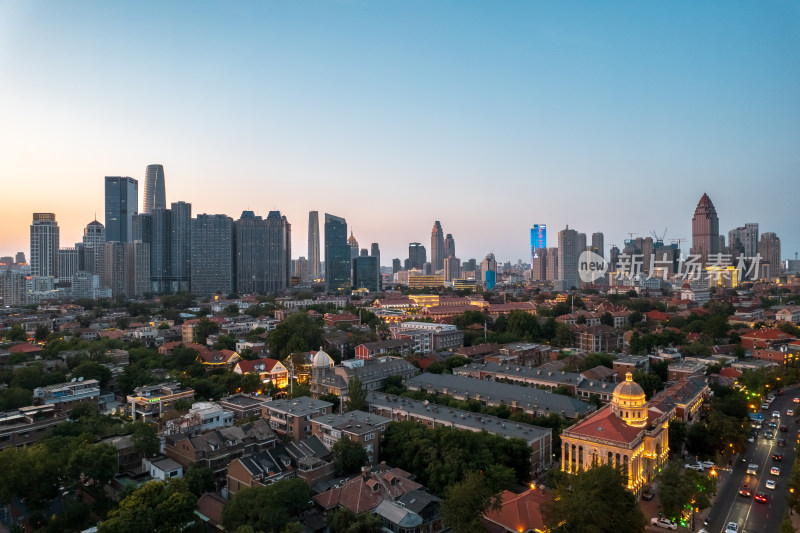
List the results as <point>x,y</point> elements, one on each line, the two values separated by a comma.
<point>530,114</point>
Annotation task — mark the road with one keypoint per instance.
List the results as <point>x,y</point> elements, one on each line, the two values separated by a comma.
<point>750,515</point>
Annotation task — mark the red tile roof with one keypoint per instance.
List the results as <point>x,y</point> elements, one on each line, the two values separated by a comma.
<point>250,366</point>
<point>520,512</point>
<point>604,424</point>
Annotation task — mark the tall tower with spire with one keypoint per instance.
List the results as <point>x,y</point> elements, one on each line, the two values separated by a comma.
<point>705,230</point>
<point>313,245</point>
<point>437,247</point>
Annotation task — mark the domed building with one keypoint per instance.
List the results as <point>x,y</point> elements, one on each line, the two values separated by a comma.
<point>624,433</point>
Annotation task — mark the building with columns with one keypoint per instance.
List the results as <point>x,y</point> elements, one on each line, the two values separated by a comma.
<point>626,433</point>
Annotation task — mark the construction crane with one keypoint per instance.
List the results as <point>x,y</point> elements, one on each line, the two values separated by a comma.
<point>656,238</point>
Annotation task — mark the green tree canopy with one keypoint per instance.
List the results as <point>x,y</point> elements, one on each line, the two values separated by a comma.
<point>356,395</point>
<point>268,509</point>
<point>157,506</point>
<point>473,496</point>
<point>349,456</point>
<point>594,501</point>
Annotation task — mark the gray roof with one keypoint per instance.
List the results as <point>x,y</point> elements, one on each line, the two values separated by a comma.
<point>297,406</point>
<point>353,421</point>
<point>398,515</point>
<point>459,418</point>
<point>528,398</point>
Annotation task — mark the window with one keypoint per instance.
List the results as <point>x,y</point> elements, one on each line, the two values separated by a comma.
<point>369,436</point>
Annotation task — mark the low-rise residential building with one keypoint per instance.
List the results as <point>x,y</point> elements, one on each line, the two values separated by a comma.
<point>27,425</point>
<point>291,418</point>
<point>162,468</point>
<point>685,397</point>
<point>684,369</point>
<point>365,428</point>
<point>784,356</point>
<point>329,379</point>
<point>259,469</point>
<point>630,363</point>
<point>766,338</point>
<point>371,350</point>
<point>68,395</point>
<point>413,512</point>
<point>244,406</point>
<point>531,400</point>
<point>268,370</point>
<point>365,492</point>
<point>401,408</point>
<point>202,416</point>
<point>428,337</point>
<point>788,314</point>
<point>519,513</point>
<point>217,448</point>
<point>149,402</point>
<point>598,338</point>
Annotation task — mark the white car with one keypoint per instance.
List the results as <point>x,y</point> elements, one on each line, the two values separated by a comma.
<point>770,484</point>
<point>697,467</point>
<point>707,464</point>
<point>775,471</point>
<point>663,522</point>
<point>796,399</point>
<point>790,412</point>
<point>732,527</point>
<point>776,414</point>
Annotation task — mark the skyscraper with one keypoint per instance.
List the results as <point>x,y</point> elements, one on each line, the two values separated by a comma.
<point>44,245</point>
<point>769,248</point>
<point>180,259</point>
<point>449,246</point>
<point>155,196</point>
<point>122,201</point>
<point>417,256</point>
<point>160,239</point>
<point>598,244</point>
<point>750,239</point>
<point>352,242</point>
<point>313,244</point>
<point>705,230</point>
<point>251,252</point>
<point>337,254</point>
<point>375,251</point>
<point>437,247</point>
<point>366,273</point>
<point>279,252</point>
<point>569,251</point>
<point>489,271</point>
<point>538,239</point>
<point>452,268</point>
<point>212,255</point>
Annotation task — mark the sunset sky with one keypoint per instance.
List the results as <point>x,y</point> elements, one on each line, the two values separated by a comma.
<point>487,116</point>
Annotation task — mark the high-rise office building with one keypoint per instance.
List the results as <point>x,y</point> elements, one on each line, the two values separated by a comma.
<point>551,272</point>
<point>313,245</point>
<point>375,251</point>
<point>449,246</point>
<point>68,264</point>
<point>155,196</point>
<point>769,248</point>
<point>160,239</point>
<point>366,273</point>
<point>750,239</point>
<point>94,234</point>
<point>337,254</point>
<point>489,271</point>
<point>19,259</point>
<point>122,202</point>
<point>300,269</point>
<point>452,268</point>
<point>251,254</point>
<point>437,247</point>
<point>705,230</point>
<point>352,242</point>
<point>396,265</point>
<point>181,246</point>
<point>13,287</point>
<point>598,244</point>
<point>44,245</point>
<point>569,251</point>
<point>538,239</point>
<point>279,252</point>
<point>126,268</point>
<point>417,256</point>
<point>539,265</point>
<point>212,255</point>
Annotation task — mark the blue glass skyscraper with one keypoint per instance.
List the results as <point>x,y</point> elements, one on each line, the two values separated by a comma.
<point>337,254</point>
<point>538,239</point>
<point>122,202</point>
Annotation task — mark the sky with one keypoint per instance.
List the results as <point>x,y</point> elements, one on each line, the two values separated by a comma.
<point>488,116</point>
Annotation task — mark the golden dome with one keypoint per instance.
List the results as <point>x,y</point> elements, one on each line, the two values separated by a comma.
<point>629,402</point>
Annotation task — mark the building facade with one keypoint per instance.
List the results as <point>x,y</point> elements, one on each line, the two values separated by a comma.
<point>212,255</point>
<point>121,203</point>
<point>44,245</point>
<point>155,196</point>
<point>705,230</point>
<point>313,245</point>
<point>337,254</point>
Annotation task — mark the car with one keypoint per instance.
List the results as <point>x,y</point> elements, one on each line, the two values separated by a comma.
<point>648,494</point>
<point>765,406</point>
<point>773,424</point>
<point>781,442</point>
<point>775,471</point>
<point>776,414</point>
<point>751,439</point>
<point>796,399</point>
<point>768,434</point>
<point>707,464</point>
<point>760,497</point>
<point>696,466</point>
<point>752,468</point>
<point>732,527</point>
<point>663,522</point>
<point>790,412</point>
<point>744,490</point>
<point>770,484</point>
<point>777,457</point>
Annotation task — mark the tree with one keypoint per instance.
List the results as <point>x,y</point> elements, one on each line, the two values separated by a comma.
<point>41,333</point>
<point>786,525</point>
<point>268,509</point>
<point>677,435</point>
<point>93,463</point>
<point>92,370</point>
<point>343,520</point>
<point>145,438</point>
<point>203,328</point>
<point>471,498</point>
<point>158,506</point>
<point>17,334</point>
<point>607,319</point>
<point>331,398</point>
<point>297,333</point>
<point>251,383</point>
<point>594,501</point>
<point>349,456</point>
<point>199,478</point>
<point>356,395</point>
<point>679,487</point>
